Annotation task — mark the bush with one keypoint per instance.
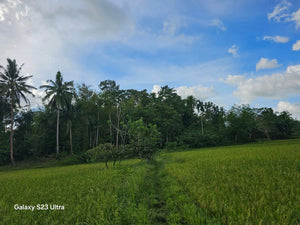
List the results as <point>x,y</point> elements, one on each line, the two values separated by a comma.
<point>103,153</point>
<point>195,139</point>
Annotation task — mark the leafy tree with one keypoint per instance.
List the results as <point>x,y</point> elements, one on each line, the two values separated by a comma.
<point>13,88</point>
<point>113,99</point>
<point>43,139</point>
<point>190,104</point>
<point>242,123</point>
<point>87,112</point>
<point>58,93</point>
<point>285,125</point>
<point>23,134</point>
<point>103,152</point>
<point>167,113</point>
<point>266,120</point>
<point>143,139</point>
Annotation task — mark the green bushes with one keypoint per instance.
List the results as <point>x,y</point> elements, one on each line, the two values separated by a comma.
<point>195,139</point>
<point>102,153</point>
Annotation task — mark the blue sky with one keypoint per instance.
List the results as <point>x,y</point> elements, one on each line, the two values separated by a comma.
<point>225,51</point>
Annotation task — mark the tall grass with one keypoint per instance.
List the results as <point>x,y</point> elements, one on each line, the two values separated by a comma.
<point>90,194</point>
<point>247,184</point>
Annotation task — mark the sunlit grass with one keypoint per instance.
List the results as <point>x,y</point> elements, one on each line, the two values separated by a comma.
<point>89,193</point>
<point>246,184</point>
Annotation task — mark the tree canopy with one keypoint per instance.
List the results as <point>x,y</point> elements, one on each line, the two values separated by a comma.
<point>135,122</point>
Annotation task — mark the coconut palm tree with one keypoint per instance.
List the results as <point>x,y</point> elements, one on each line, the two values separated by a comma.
<point>13,88</point>
<point>70,114</point>
<point>58,93</point>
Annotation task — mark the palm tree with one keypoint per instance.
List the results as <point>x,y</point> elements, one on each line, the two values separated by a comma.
<point>69,114</point>
<point>13,88</point>
<point>58,93</point>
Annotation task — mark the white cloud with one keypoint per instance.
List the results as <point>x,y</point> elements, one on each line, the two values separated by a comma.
<point>3,11</point>
<point>50,36</point>
<point>275,86</point>
<point>293,108</point>
<point>217,23</point>
<point>233,50</point>
<point>281,13</point>
<point>296,18</point>
<point>296,46</point>
<point>156,89</point>
<point>198,91</point>
<point>234,79</point>
<point>277,39</point>
<point>265,63</point>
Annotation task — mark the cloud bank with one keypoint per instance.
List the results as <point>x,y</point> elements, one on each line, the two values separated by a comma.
<point>275,86</point>
<point>198,91</point>
<point>49,36</point>
<point>293,108</point>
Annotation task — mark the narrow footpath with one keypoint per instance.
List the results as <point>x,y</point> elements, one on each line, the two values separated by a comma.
<point>168,202</point>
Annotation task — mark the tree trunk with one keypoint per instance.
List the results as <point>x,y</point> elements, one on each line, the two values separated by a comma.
<point>97,132</point>
<point>57,134</point>
<point>202,125</point>
<point>267,133</point>
<point>12,134</point>
<point>91,139</point>
<point>71,141</point>
<point>118,127</point>
<point>97,136</point>
<point>110,128</point>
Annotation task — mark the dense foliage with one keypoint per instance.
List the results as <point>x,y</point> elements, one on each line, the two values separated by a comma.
<point>74,120</point>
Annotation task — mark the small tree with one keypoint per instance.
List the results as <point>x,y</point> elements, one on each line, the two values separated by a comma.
<point>103,152</point>
<point>143,139</point>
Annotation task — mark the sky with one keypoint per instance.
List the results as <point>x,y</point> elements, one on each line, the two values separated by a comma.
<point>225,51</point>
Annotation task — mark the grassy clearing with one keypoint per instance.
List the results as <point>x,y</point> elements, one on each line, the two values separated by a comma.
<point>246,184</point>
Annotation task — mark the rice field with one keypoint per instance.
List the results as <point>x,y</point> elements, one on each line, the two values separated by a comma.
<point>245,184</point>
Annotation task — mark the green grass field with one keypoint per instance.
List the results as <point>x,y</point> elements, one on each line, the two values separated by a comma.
<point>246,184</point>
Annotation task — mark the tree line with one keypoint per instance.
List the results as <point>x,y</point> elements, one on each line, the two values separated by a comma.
<point>111,123</point>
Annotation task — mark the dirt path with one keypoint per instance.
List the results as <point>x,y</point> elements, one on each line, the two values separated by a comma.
<point>167,200</point>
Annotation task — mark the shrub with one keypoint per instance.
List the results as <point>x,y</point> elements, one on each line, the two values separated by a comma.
<point>101,153</point>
